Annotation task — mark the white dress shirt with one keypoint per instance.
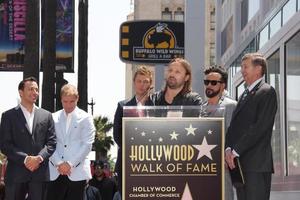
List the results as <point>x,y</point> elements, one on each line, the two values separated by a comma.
<point>28,116</point>
<point>68,119</point>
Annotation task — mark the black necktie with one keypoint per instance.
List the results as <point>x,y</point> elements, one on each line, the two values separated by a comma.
<point>244,95</point>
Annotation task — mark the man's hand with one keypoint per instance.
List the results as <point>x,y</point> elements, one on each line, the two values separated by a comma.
<point>64,168</point>
<point>32,162</point>
<point>229,158</point>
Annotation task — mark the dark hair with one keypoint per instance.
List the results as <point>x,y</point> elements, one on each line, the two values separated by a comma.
<point>29,79</point>
<point>188,71</point>
<point>257,59</point>
<point>99,163</point>
<point>218,69</point>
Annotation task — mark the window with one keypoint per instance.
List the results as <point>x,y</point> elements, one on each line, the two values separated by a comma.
<point>252,46</point>
<point>288,10</point>
<point>275,24</point>
<point>263,36</point>
<point>179,14</point>
<point>293,104</point>
<point>230,80</point>
<point>244,13</point>
<point>166,14</point>
<point>248,10</point>
<point>273,78</point>
<point>226,36</point>
<point>253,8</point>
<point>240,89</point>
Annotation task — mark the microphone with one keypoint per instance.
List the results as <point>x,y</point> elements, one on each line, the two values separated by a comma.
<point>150,88</point>
<point>147,92</point>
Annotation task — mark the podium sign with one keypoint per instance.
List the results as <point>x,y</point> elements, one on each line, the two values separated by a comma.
<point>173,158</point>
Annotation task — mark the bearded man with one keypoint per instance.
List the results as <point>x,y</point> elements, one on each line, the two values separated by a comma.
<point>215,83</point>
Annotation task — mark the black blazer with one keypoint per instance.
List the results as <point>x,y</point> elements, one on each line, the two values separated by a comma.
<point>181,99</point>
<point>117,128</point>
<point>250,130</point>
<point>17,142</point>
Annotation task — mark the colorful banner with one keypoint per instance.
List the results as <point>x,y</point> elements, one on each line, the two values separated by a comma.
<point>183,160</point>
<point>65,35</point>
<point>12,34</point>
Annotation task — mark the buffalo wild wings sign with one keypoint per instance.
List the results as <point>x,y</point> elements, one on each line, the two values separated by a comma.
<point>151,41</point>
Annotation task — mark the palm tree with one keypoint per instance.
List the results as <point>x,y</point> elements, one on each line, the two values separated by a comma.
<point>102,142</point>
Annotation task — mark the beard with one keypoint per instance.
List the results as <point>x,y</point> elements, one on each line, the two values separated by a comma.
<point>173,84</point>
<point>211,93</point>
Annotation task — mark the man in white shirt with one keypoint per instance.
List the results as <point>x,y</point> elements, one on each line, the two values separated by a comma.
<point>69,165</point>
<point>27,139</point>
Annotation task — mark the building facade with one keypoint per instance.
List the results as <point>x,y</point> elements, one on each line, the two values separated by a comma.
<point>271,27</point>
<point>153,10</point>
<point>176,10</point>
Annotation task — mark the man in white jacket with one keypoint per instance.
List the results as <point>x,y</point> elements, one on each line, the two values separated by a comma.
<point>69,165</point>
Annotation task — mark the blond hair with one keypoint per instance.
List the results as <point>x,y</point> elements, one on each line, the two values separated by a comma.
<point>145,71</point>
<point>69,90</point>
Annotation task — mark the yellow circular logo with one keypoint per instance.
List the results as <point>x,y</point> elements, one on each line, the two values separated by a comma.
<point>159,37</point>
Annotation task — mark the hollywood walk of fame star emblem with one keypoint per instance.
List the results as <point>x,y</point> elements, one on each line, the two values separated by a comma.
<point>204,149</point>
<point>209,132</point>
<point>174,135</point>
<point>190,130</point>
<point>186,193</point>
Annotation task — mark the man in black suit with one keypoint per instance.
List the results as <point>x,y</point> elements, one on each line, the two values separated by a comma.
<point>28,140</point>
<point>250,131</point>
<point>142,81</point>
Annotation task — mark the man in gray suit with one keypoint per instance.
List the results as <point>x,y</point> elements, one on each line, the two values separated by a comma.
<point>218,105</point>
<point>28,140</point>
<point>250,131</point>
<point>69,164</point>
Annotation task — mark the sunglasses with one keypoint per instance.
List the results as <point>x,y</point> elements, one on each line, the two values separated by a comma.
<point>212,82</point>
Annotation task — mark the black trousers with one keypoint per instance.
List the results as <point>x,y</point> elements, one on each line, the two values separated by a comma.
<point>65,189</point>
<point>257,186</point>
<point>25,190</point>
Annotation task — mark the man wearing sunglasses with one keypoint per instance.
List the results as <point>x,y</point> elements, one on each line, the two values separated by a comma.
<point>250,131</point>
<point>215,83</point>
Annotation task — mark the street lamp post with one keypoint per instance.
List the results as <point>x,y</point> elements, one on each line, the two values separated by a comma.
<point>92,103</point>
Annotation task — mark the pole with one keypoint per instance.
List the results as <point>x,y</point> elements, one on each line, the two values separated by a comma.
<point>32,40</point>
<point>92,103</point>
<point>49,59</point>
<point>82,54</point>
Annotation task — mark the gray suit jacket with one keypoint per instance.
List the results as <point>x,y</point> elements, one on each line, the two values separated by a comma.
<point>17,142</point>
<point>225,108</point>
